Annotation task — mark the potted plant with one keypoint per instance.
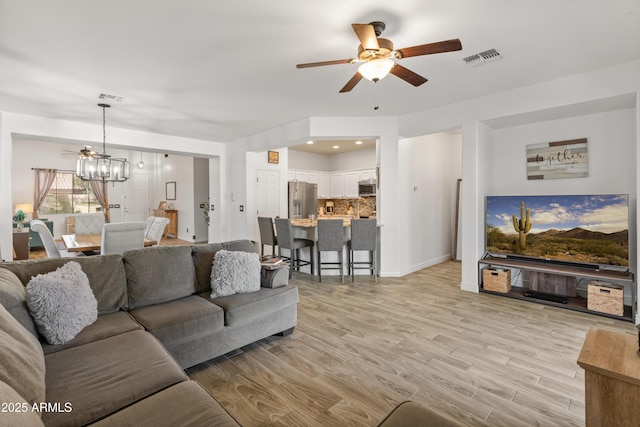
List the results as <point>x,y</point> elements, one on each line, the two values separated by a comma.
<point>19,218</point>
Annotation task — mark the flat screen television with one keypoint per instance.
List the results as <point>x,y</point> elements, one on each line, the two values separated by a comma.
<point>589,230</point>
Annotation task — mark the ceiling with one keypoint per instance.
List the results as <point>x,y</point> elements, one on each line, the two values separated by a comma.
<point>335,146</point>
<point>221,71</point>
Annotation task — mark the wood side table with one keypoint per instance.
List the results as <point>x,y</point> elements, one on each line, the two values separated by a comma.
<point>21,244</point>
<point>612,379</point>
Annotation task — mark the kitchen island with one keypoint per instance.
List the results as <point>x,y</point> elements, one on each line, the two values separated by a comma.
<point>307,229</point>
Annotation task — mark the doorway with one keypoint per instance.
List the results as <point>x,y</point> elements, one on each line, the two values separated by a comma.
<point>135,198</point>
<point>268,192</point>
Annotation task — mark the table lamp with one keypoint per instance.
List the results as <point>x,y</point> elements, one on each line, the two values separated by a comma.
<point>27,208</point>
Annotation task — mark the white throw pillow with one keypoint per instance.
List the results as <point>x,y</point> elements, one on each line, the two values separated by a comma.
<point>62,303</point>
<point>234,272</point>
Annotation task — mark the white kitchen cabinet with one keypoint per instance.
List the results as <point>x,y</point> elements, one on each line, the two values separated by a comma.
<point>337,185</point>
<point>324,185</point>
<point>367,174</point>
<point>302,176</point>
<point>313,177</point>
<point>351,184</point>
<point>291,175</point>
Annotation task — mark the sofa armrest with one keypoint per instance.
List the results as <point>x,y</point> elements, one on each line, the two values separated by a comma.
<point>275,278</point>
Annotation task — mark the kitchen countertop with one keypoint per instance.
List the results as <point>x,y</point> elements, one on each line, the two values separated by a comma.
<point>310,223</point>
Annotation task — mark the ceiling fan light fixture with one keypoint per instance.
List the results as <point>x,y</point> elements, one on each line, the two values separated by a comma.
<point>376,69</point>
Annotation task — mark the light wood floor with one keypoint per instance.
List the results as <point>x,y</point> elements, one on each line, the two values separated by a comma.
<point>359,349</point>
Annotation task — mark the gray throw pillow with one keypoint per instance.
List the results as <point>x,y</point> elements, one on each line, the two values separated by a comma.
<point>62,303</point>
<point>234,272</point>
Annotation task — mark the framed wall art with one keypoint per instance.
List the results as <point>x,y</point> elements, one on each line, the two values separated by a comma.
<point>556,160</point>
<point>273,157</point>
<point>171,190</point>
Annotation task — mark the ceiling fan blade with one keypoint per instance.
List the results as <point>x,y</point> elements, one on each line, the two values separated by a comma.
<point>367,36</point>
<point>407,75</point>
<point>430,48</point>
<point>352,83</point>
<point>319,64</point>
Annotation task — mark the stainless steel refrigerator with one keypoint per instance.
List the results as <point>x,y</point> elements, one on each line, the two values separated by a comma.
<point>303,199</point>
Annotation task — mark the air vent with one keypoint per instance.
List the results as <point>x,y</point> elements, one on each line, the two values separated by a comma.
<point>110,98</point>
<point>482,57</point>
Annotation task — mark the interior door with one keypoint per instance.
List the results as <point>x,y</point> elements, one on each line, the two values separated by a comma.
<point>268,192</point>
<point>135,198</point>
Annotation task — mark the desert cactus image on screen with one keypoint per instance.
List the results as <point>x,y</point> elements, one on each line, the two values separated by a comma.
<point>523,226</point>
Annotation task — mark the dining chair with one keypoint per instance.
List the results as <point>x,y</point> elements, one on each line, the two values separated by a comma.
<point>118,237</point>
<point>267,234</point>
<point>364,237</point>
<point>50,245</point>
<point>88,223</point>
<point>284,230</point>
<point>154,228</point>
<point>330,239</point>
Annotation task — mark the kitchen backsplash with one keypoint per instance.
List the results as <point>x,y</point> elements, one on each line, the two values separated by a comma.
<point>364,206</point>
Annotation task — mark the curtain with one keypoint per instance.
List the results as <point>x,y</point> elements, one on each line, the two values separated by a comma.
<point>100,190</point>
<point>44,180</point>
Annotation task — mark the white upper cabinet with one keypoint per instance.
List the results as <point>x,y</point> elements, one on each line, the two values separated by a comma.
<point>351,184</point>
<point>337,185</point>
<point>324,185</point>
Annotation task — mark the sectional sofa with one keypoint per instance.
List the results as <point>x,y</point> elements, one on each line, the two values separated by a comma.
<point>155,318</point>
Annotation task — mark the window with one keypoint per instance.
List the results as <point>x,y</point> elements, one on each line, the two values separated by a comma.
<point>69,194</point>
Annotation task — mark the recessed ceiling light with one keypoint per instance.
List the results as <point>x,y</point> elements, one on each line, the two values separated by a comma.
<point>309,142</point>
<point>336,146</point>
<point>358,142</point>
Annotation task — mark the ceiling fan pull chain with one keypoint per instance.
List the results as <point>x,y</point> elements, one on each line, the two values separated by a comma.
<point>376,106</point>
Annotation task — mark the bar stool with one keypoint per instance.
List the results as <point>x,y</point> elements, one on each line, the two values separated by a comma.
<point>284,229</point>
<point>330,238</point>
<point>363,238</point>
<point>267,234</point>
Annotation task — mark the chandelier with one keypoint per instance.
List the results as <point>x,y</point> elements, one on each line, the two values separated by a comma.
<point>102,167</point>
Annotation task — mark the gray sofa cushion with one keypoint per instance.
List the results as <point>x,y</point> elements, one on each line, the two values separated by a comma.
<point>106,274</point>
<point>22,364</point>
<point>13,298</point>
<point>185,404</point>
<point>180,320</point>
<point>159,274</point>
<point>241,245</point>
<point>241,308</point>
<point>61,303</point>
<point>104,376</point>
<point>203,256</point>
<point>106,326</point>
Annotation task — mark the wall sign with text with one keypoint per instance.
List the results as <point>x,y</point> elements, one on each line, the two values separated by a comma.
<point>560,159</point>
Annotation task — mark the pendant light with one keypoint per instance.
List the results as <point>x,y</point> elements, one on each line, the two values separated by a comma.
<point>102,167</point>
<point>140,164</point>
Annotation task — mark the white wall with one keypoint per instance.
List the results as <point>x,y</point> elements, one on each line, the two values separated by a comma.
<point>428,179</point>
<point>611,139</point>
<point>310,161</point>
<point>362,159</point>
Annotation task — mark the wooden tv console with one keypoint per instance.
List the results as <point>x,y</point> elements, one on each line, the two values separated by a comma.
<point>564,276</point>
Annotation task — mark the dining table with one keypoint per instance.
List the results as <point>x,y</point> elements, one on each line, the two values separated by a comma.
<point>89,242</point>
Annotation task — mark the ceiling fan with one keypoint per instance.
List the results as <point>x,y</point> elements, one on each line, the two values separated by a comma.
<point>86,151</point>
<point>376,56</point>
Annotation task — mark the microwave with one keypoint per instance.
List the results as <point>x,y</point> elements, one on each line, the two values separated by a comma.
<point>366,188</point>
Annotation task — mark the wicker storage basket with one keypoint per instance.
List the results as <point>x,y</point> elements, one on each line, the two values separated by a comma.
<point>605,298</point>
<point>496,279</point>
